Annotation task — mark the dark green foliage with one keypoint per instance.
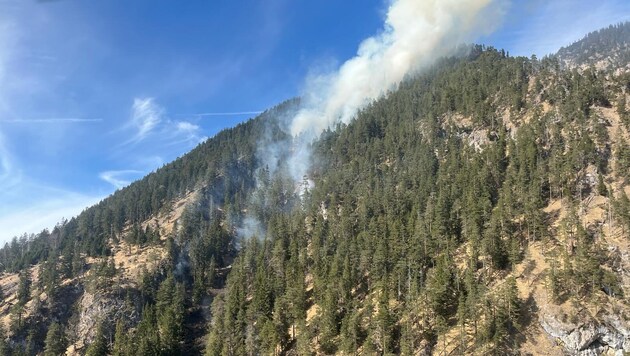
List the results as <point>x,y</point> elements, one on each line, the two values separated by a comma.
<point>4,346</point>
<point>31,343</point>
<point>601,186</point>
<point>170,306</point>
<point>226,163</point>
<point>147,337</point>
<point>24,287</point>
<point>55,340</point>
<point>23,296</point>
<point>581,273</point>
<point>120,347</point>
<point>420,208</point>
<point>623,158</point>
<point>397,192</point>
<point>621,209</point>
<point>98,347</point>
<point>441,287</point>
<point>606,41</point>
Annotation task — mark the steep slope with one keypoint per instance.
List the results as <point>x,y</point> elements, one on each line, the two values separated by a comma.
<point>604,49</point>
<point>479,208</point>
<point>110,260</point>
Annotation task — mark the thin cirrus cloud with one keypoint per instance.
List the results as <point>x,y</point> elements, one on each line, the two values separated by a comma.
<point>153,136</point>
<point>186,132</point>
<point>121,178</point>
<point>150,123</point>
<point>145,117</point>
<point>234,113</point>
<point>7,175</point>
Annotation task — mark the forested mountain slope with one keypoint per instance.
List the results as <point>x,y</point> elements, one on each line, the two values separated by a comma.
<point>133,240</point>
<point>479,208</point>
<point>604,49</point>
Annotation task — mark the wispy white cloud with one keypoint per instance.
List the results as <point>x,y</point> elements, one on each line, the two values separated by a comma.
<point>120,178</point>
<point>43,60</point>
<point>187,127</point>
<point>151,124</point>
<point>8,174</point>
<point>187,132</point>
<point>146,115</point>
<point>153,136</point>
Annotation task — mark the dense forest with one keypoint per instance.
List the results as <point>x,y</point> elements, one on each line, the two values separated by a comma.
<point>411,233</point>
<point>607,48</point>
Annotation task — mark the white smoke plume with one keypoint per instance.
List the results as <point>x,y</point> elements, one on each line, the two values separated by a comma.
<point>250,227</point>
<point>415,34</point>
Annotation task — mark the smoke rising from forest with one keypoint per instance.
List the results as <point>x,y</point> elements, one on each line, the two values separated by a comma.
<point>415,33</point>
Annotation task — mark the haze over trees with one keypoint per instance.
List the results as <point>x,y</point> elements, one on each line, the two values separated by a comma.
<point>416,235</point>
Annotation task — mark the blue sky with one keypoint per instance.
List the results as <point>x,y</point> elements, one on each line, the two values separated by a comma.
<point>95,94</point>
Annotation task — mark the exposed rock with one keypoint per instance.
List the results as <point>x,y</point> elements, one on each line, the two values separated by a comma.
<point>478,138</point>
<point>611,336</point>
<point>95,308</point>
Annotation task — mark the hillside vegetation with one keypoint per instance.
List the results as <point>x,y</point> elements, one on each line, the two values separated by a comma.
<point>479,208</point>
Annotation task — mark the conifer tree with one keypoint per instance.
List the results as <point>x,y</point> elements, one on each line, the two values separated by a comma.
<point>98,347</point>
<point>55,343</point>
<point>4,346</point>
<point>31,343</point>
<point>24,287</point>
<point>120,347</point>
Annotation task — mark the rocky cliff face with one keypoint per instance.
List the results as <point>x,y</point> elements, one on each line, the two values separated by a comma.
<point>97,308</point>
<point>610,336</point>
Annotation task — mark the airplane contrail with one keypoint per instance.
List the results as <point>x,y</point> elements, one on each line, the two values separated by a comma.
<point>228,113</point>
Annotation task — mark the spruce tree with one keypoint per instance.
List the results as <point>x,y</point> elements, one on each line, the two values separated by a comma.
<point>121,339</point>
<point>4,345</point>
<point>98,347</point>
<point>55,343</point>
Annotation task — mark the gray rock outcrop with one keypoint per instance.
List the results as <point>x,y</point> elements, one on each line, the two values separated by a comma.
<point>610,336</point>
